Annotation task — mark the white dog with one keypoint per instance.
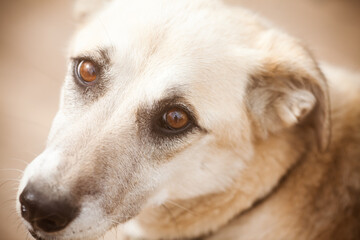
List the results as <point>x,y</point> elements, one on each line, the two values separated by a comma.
<point>190,119</point>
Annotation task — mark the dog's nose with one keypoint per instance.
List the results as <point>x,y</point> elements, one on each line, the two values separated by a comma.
<point>46,212</point>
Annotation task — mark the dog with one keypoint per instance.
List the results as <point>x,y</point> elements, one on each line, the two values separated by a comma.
<point>191,119</point>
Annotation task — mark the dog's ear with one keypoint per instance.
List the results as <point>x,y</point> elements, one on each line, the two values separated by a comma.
<point>284,94</point>
<point>83,9</point>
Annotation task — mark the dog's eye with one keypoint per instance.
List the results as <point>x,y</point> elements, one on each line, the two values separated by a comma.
<point>87,71</point>
<point>176,119</point>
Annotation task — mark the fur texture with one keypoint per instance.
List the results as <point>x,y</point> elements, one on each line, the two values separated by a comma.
<point>274,148</point>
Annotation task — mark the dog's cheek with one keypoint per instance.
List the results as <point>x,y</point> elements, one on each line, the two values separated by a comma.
<point>183,176</point>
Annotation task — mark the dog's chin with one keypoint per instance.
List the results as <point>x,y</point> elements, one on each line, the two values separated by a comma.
<point>36,235</point>
<point>33,233</point>
<point>39,235</point>
<point>91,232</point>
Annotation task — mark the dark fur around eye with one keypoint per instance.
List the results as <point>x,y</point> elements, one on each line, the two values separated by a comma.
<point>150,120</point>
<point>101,59</point>
<point>88,92</point>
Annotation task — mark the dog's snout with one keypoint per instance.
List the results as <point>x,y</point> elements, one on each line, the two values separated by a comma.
<point>46,212</point>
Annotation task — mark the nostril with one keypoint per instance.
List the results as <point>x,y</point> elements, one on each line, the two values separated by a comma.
<point>52,223</point>
<point>24,212</point>
<point>27,206</point>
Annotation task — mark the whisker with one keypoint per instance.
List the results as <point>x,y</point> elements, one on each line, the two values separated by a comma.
<point>9,191</point>
<point>113,221</point>
<point>11,214</point>
<point>12,169</point>
<point>106,31</point>
<point>12,179</point>
<point>204,165</point>
<point>7,201</point>
<point>171,217</point>
<point>20,160</point>
<point>116,232</point>
<point>180,206</point>
<point>18,226</point>
<point>9,181</point>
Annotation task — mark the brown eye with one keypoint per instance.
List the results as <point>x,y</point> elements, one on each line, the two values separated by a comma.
<point>176,118</point>
<point>87,71</point>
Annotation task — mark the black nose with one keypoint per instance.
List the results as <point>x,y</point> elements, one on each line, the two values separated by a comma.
<point>45,211</point>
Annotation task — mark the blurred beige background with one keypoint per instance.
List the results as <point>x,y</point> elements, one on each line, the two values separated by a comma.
<point>33,39</point>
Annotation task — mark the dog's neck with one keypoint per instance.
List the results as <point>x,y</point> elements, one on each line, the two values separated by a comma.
<point>317,199</point>
<point>205,215</point>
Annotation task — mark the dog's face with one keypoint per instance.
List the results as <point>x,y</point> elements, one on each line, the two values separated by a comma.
<point>164,101</point>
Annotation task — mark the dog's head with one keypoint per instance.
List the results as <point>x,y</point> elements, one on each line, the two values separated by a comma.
<point>167,102</point>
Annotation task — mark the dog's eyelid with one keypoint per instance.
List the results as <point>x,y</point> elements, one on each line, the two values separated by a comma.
<point>176,102</point>
<point>76,60</point>
<point>100,56</point>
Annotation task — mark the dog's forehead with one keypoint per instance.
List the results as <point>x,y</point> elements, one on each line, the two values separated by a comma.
<point>156,49</point>
<point>138,31</point>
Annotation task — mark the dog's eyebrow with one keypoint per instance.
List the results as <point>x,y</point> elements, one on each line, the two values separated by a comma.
<point>173,95</point>
<point>100,55</point>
